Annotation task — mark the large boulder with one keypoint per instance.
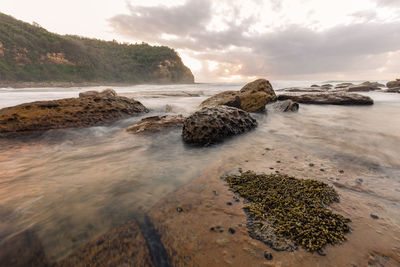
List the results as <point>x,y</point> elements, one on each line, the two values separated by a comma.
<point>156,124</point>
<point>284,106</point>
<point>252,97</point>
<point>213,124</point>
<point>66,113</point>
<point>393,84</point>
<point>337,98</point>
<point>105,93</point>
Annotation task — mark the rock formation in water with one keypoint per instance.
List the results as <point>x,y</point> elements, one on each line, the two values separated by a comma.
<point>393,84</point>
<point>84,111</point>
<point>337,98</point>
<point>213,124</point>
<point>156,124</point>
<point>284,106</point>
<point>251,98</point>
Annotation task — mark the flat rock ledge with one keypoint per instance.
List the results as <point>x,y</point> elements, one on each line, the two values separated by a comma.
<point>213,124</point>
<point>251,98</point>
<point>156,124</point>
<point>66,113</point>
<point>337,98</point>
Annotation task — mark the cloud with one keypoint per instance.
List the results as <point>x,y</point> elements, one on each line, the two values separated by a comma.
<point>389,3</point>
<point>290,50</point>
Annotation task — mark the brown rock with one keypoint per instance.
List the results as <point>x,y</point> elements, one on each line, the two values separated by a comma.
<point>393,90</point>
<point>304,89</point>
<point>156,124</point>
<point>252,97</point>
<point>65,113</point>
<point>362,88</point>
<point>122,246</point>
<point>23,249</point>
<point>105,93</point>
<point>213,124</point>
<point>337,98</point>
<point>393,84</point>
<point>285,106</point>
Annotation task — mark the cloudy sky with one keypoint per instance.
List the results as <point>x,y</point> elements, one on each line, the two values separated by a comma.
<point>232,40</point>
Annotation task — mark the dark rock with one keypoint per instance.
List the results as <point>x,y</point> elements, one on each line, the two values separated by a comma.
<point>336,98</point>
<point>393,90</point>
<point>213,124</point>
<point>393,84</point>
<point>285,106</point>
<point>240,170</point>
<point>179,209</point>
<point>23,249</point>
<point>212,229</point>
<point>343,85</point>
<point>322,170</point>
<point>321,252</point>
<point>156,124</point>
<point>359,181</point>
<point>229,203</point>
<point>311,164</point>
<point>373,216</point>
<point>314,85</point>
<point>66,113</point>
<point>215,193</point>
<point>341,171</point>
<point>267,255</point>
<point>373,84</point>
<point>362,88</point>
<point>278,161</point>
<point>252,97</point>
<point>231,230</point>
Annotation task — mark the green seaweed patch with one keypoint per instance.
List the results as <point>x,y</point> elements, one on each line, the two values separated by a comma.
<point>296,209</point>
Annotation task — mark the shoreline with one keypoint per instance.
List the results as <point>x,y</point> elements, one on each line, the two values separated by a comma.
<point>19,85</point>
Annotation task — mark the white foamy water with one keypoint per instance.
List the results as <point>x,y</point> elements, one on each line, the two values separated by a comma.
<point>70,185</point>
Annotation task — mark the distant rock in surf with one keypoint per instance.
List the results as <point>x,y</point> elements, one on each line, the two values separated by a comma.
<point>284,106</point>
<point>105,93</point>
<point>251,98</point>
<point>213,124</point>
<point>98,109</point>
<point>156,124</point>
<point>336,98</point>
<point>393,84</point>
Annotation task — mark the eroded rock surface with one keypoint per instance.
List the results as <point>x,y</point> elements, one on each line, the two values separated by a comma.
<point>393,90</point>
<point>213,124</point>
<point>284,106</point>
<point>252,97</point>
<point>105,93</point>
<point>66,113</point>
<point>156,124</point>
<point>337,98</point>
<point>393,84</point>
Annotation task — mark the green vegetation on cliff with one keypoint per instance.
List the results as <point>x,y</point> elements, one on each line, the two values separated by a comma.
<point>29,53</point>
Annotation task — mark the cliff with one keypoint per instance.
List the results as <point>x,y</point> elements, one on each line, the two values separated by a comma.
<point>29,53</point>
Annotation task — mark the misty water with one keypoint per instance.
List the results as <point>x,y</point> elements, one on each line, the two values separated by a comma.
<point>71,185</point>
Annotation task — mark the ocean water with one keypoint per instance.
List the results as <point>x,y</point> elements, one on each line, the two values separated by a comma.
<point>71,185</point>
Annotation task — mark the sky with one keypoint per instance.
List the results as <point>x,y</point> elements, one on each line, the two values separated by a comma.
<point>233,40</point>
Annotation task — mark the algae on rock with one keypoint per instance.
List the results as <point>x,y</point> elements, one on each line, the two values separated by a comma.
<point>296,209</point>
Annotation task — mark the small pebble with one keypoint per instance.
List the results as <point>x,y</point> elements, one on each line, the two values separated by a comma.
<point>373,216</point>
<point>278,161</point>
<point>341,171</point>
<point>267,255</point>
<point>268,149</point>
<point>263,154</point>
<point>221,230</point>
<point>276,171</point>
<point>231,230</point>
<point>240,170</point>
<point>271,168</point>
<point>100,242</point>
<point>311,164</point>
<point>179,209</point>
<point>229,203</point>
<point>215,193</point>
<point>359,181</point>
<point>236,198</point>
<point>246,161</point>
<point>212,228</point>
<point>322,170</point>
<point>321,252</point>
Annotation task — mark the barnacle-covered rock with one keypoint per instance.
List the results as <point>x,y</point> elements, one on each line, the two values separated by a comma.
<point>156,124</point>
<point>283,207</point>
<point>213,124</point>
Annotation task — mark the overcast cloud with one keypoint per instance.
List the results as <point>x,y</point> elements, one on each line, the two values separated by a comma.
<point>273,39</point>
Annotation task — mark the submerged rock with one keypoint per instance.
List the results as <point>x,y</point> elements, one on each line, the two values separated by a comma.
<point>343,85</point>
<point>23,249</point>
<point>156,123</point>
<point>362,88</point>
<point>213,124</point>
<point>66,113</point>
<point>252,97</point>
<point>337,98</point>
<point>284,106</point>
<point>304,89</point>
<point>283,209</point>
